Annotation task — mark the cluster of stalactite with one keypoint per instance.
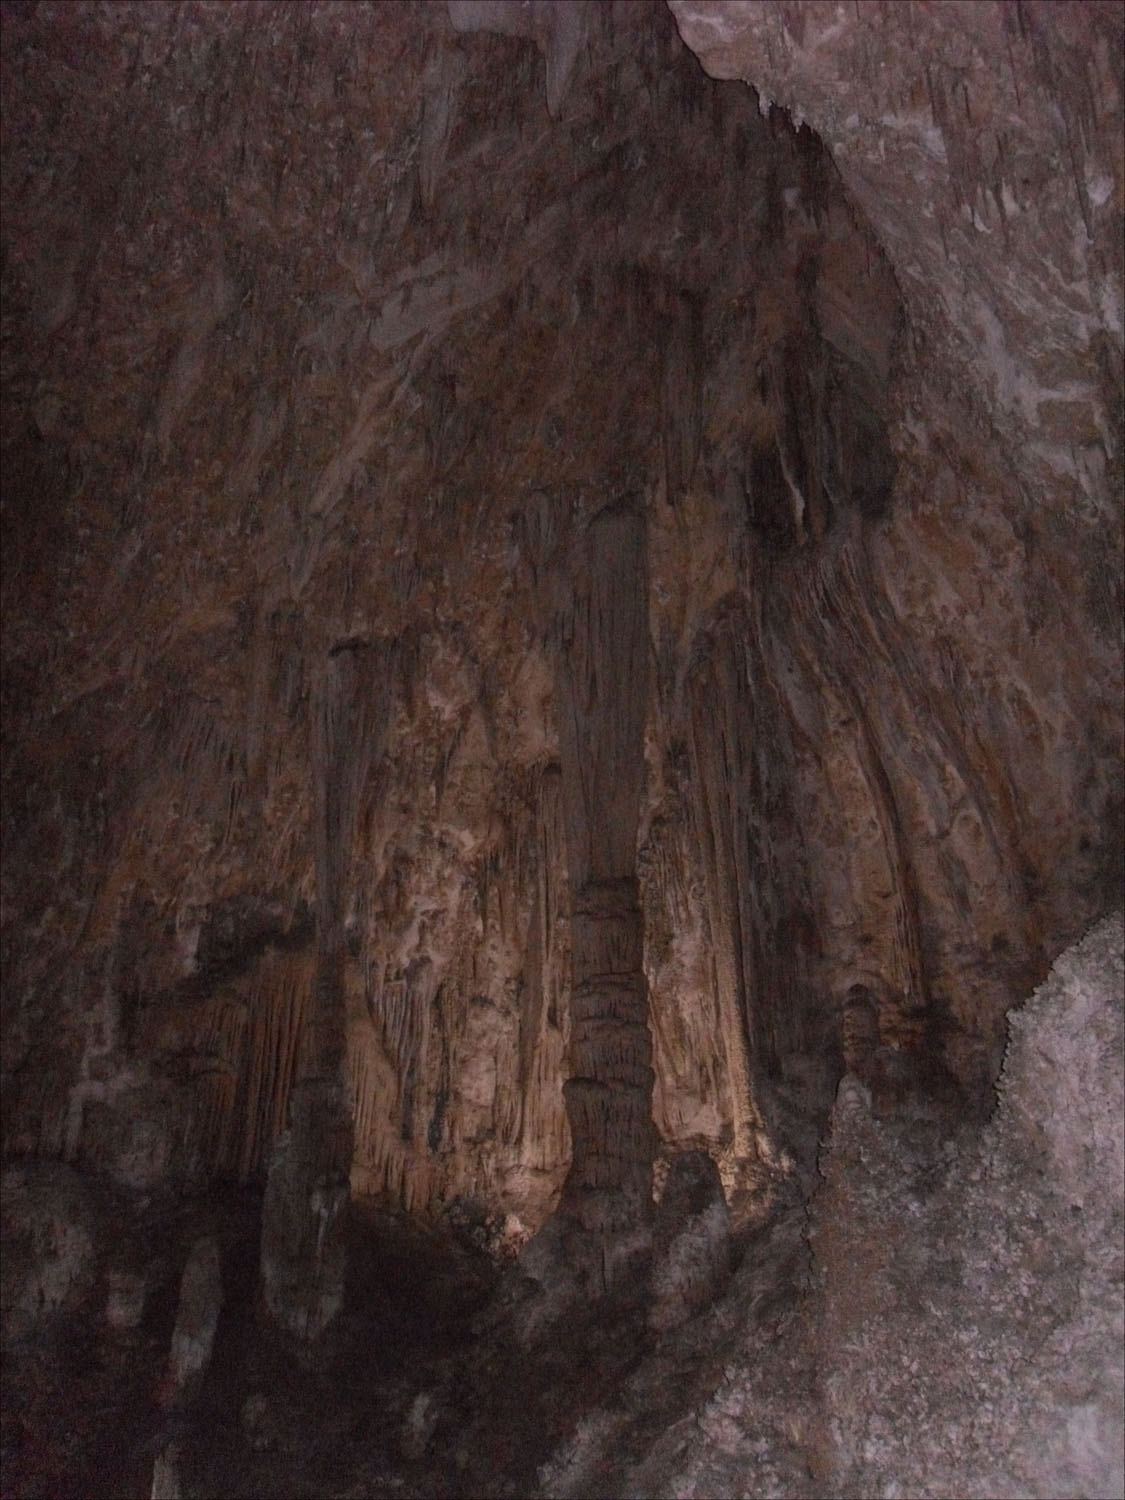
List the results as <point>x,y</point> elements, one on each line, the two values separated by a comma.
<point>694,1102</point>
<point>455,1061</point>
<point>350,445</point>
<point>248,1056</point>
<point>252,743</point>
<point>810,692</point>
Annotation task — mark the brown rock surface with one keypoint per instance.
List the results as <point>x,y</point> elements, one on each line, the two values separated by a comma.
<point>328,333</point>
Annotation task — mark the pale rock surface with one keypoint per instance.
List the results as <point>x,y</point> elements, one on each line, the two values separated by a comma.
<point>959,1329</point>
<point>983,144</point>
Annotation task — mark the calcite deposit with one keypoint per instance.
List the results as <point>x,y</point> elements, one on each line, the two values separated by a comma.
<point>562,590</point>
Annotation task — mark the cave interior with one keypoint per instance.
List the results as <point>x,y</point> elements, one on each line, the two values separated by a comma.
<point>562,673</point>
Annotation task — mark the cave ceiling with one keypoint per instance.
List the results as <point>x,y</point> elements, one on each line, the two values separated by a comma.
<point>335,338</point>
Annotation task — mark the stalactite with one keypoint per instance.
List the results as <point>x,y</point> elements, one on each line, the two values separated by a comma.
<point>220,1085</point>
<point>279,1004</point>
<point>342,735</point>
<point>878,637</point>
<point>208,757</point>
<point>531,1115</point>
<point>839,604</point>
<point>721,754</point>
<point>691,1095</point>
<point>361,1088</point>
<point>600,641</point>
<point>247,1048</point>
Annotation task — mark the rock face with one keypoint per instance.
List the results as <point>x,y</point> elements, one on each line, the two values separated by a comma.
<point>1022,1290</point>
<point>692,1256</point>
<point>304,1214</point>
<point>50,1239</point>
<point>527,565</point>
<point>957,1327</point>
<point>197,1317</point>
<point>983,146</point>
<point>996,1318</point>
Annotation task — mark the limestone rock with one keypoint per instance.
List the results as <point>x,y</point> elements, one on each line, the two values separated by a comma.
<point>197,1318</point>
<point>556,604</point>
<point>125,1298</point>
<point>691,1241</point>
<point>785,443</point>
<point>51,1245</point>
<point>166,1480</point>
<point>420,1422</point>
<point>959,1328</point>
<point>304,1216</point>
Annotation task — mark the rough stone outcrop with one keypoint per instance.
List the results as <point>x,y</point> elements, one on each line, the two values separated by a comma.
<point>51,1238</point>
<point>304,1213</point>
<point>982,1289</point>
<point>562,615</point>
<point>197,1317</point>
<point>957,1328</point>
<point>982,145</point>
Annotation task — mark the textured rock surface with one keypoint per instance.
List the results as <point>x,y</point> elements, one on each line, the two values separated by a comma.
<point>539,583</point>
<point>958,1328</point>
<point>50,1246</point>
<point>304,1216</point>
<point>983,144</point>
<point>197,1317</point>
<point>600,639</point>
<point>971,1305</point>
<point>692,1248</point>
<point>324,340</point>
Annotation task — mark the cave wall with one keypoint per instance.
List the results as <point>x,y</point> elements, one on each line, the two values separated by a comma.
<point>327,333</point>
<point>983,146</point>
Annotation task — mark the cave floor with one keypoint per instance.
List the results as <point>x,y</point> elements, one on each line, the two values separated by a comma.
<point>422,1390</point>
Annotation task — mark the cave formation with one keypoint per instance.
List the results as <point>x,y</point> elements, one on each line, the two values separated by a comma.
<point>562,673</point>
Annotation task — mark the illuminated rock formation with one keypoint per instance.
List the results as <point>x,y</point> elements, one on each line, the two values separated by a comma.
<point>562,583</point>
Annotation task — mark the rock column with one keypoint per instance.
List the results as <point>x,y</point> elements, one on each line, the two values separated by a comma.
<point>609,1092</point>
<point>602,678</point>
